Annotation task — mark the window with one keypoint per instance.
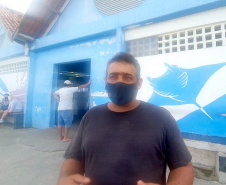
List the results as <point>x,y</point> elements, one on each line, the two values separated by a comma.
<point>190,47</point>
<point>182,48</point>
<point>209,44</point>
<point>217,27</point>
<point>167,37</point>
<point>190,40</point>
<point>182,34</point>
<point>208,29</point>
<point>199,39</point>
<point>190,33</point>
<point>219,43</point>
<point>166,44</point>
<point>145,46</point>
<point>183,40</point>
<point>174,36</point>
<point>14,67</point>
<point>198,31</point>
<point>200,46</point>
<point>208,37</point>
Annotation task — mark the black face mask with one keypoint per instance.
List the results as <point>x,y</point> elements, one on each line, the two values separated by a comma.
<point>121,93</point>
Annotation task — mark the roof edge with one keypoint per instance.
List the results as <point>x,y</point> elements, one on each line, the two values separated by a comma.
<point>56,18</point>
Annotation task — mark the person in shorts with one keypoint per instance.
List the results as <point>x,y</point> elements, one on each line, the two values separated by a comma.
<point>64,96</point>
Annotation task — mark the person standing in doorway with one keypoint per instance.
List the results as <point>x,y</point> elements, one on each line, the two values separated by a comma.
<point>64,96</point>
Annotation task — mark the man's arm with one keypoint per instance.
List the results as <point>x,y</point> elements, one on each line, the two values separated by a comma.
<point>178,157</point>
<point>72,173</point>
<point>2,100</point>
<point>178,176</point>
<point>11,106</point>
<point>140,182</point>
<point>181,176</point>
<point>56,96</point>
<point>84,85</point>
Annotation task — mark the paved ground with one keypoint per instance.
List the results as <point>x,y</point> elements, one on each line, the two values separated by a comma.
<point>31,156</point>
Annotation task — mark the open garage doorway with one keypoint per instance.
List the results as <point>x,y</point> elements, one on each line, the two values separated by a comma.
<point>78,73</point>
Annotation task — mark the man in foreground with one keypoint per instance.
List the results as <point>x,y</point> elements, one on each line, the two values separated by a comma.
<point>126,142</point>
<point>64,96</point>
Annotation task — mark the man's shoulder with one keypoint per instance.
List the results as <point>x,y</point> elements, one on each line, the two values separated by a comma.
<point>156,115</point>
<point>63,89</point>
<point>59,90</point>
<point>94,113</point>
<point>148,107</point>
<point>97,109</point>
<point>73,88</point>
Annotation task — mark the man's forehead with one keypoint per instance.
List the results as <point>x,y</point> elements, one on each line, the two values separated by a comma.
<point>119,73</point>
<point>121,67</point>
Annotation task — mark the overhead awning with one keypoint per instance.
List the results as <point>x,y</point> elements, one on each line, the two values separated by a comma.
<point>36,22</point>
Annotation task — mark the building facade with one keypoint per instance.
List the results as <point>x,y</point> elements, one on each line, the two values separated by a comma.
<point>180,46</point>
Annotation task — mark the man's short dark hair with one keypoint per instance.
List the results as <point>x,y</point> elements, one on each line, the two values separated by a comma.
<point>127,58</point>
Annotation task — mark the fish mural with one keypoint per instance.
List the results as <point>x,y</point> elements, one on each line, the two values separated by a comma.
<point>171,83</point>
<point>193,91</point>
<point>188,86</point>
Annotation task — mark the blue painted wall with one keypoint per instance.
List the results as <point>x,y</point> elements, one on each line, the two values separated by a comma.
<point>78,13</point>
<point>84,12</point>
<point>190,85</point>
<point>9,49</point>
<point>82,32</point>
<point>73,23</point>
<point>97,50</point>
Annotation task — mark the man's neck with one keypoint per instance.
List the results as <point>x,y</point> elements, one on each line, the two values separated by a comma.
<point>124,108</point>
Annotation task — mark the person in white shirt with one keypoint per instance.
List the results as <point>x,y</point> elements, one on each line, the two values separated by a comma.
<point>64,96</point>
<point>14,106</point>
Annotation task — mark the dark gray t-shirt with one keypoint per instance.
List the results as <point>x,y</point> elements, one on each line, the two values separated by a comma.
<point>122,148</point>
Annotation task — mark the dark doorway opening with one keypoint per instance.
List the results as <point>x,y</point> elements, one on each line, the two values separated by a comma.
<point>78,73</point>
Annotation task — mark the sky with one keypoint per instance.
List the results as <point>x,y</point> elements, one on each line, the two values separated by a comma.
<point>19,5</point>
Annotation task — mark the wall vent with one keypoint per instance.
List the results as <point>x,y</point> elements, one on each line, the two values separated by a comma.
<point>111,7</point>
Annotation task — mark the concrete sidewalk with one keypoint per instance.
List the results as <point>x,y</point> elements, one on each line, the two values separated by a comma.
<point>31,156</point>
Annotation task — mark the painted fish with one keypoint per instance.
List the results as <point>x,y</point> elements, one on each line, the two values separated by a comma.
<point>186,86</point>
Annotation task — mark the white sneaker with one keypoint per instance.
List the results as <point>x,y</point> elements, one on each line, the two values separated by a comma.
<point>1,120</point>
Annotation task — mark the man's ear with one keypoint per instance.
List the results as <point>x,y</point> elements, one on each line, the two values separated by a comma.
<point>139,83</point>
